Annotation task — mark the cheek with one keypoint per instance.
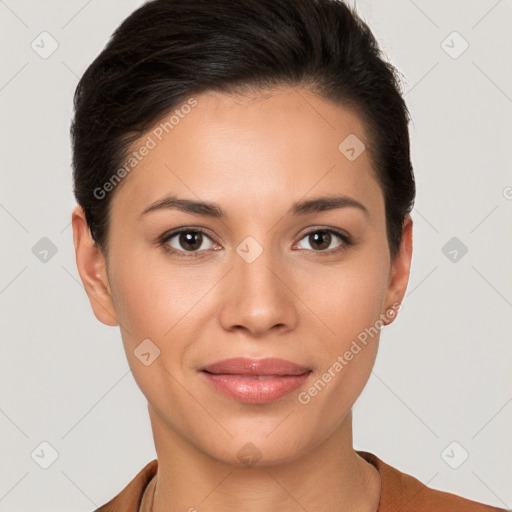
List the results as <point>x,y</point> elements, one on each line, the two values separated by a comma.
<point>346,299</point>
<point>149,303</point>
<point>159,302</point>
<point>345,359</point>
<point>137,301</point>
<point>150,297</point>
<point>349,304</point>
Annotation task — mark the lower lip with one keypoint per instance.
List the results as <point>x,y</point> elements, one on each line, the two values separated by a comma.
<point>254,390</point>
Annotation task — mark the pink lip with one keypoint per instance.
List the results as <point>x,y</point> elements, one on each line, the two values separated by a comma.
<point>239,378</point>
<point>265,366</point>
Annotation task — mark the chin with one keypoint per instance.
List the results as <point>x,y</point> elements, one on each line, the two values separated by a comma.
<point>247,451</point>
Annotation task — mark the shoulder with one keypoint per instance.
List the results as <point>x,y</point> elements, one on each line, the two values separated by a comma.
<point>129,499</point>
<point>403,492</point>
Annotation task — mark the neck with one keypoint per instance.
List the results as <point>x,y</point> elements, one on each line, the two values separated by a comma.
<point>330,476</point>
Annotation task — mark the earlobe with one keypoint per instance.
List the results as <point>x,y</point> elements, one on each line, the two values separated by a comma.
<point>91,266</point>
<point>399,274</point>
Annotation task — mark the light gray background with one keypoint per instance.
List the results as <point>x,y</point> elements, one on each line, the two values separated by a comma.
<point>443,369</point>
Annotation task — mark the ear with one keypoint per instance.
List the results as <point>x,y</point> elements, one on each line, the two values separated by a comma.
<point>399,273</point>
<point>92,268</point>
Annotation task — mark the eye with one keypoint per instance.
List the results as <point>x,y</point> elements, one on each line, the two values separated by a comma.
<point>320,240</point>
<point>191,242</point>
<point>186,240</point>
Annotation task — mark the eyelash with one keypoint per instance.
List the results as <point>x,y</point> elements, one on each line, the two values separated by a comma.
<point>347,241</point>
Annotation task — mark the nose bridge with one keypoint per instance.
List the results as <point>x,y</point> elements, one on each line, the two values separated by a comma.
<point>255,296</point>
<point>255,263</point>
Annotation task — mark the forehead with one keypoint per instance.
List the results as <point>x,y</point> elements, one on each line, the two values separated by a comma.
<point>251,151</point>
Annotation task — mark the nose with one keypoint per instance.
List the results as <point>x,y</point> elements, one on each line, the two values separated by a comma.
<point>258,297</point>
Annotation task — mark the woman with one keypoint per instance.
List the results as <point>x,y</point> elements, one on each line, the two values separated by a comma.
<point>244,184</point>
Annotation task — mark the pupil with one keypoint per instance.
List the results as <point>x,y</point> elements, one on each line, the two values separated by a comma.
<point>322,238</point>
<point>188,239</point>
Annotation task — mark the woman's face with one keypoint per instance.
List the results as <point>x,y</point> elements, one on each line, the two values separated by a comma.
<point>262,280</point>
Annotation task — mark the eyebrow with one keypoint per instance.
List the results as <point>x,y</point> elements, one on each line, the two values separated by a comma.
<point>304,207</point>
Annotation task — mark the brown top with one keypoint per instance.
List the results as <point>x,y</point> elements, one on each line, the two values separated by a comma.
<point>399,493</point>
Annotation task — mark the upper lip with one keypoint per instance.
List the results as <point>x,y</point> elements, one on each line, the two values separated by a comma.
<point>265,366</point>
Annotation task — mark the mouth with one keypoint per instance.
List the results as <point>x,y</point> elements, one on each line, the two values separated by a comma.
<point>251,377</point>
<point>246,367</point>
<point>255,381</point>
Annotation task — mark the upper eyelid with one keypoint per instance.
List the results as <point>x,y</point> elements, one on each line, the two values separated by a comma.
<point>345,238</point>
<point>174,232</point>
